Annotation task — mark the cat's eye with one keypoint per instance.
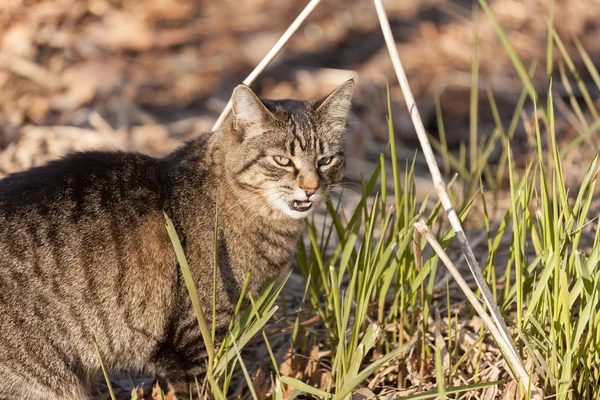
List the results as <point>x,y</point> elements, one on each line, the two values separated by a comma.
<point>325,161</point>
<point>283,161</point>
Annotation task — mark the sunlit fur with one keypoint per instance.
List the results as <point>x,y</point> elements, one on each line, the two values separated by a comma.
<point>84,247</point>
<point>303,132</point>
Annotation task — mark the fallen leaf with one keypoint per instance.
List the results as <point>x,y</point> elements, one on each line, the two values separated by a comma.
<point>313,361</point>
<point>120,30</point>
<point>18,40</point>
<point>293,365</point>
<point>83,81</point>
<point>158,393</point>
<point>168,9</point>
<point>510,391</point>
<point>363,393</point>
<point>490,392</point>
<point>257,383</point>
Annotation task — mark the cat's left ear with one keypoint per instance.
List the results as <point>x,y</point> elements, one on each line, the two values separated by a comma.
<point>333,109</point>
<point>250,115</point>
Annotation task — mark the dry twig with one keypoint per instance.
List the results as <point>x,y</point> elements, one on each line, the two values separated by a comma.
<point>502,335</point>
<point>29,70</point>
<point>514,360</point>
<point>271,55</point>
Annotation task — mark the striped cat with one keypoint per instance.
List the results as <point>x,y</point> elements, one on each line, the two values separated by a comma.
<point>84,247</point>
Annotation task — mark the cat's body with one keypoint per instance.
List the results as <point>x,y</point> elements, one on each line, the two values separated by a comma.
<point>84,247</point>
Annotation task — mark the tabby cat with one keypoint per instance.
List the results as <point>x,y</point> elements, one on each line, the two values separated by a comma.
<point>84,247</point>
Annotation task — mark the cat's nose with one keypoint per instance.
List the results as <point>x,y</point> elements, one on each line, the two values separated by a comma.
<point>309,183</point>
<point>309,191</point>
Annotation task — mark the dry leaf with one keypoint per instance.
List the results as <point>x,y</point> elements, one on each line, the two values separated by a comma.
<point>313,361</point>
<point>293,365</point>
<point>168,9</point>
<point>363,393</point>
<point>262,390</point>
<point>510,391</point>
<point>37,108</point>
<point>18,39</point>
<point>157,393</point>
<point>154,139</point>
<point>120,30</point>
<point>84,81</point>
<point>490,393</point>
<point>38,145</point>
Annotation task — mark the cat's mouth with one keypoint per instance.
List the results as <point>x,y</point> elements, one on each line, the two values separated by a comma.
<point>300,205</point>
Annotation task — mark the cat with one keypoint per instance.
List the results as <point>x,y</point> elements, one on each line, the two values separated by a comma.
<point>84,247</point>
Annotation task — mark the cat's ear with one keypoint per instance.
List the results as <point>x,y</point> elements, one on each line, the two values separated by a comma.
<point>250,115</point>
<point>333,109</point>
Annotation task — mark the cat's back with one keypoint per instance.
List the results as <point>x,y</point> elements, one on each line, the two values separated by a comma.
<point>84,210</point>
<point>76,237</point>
<point>85,207</point>
<point>103,179</point>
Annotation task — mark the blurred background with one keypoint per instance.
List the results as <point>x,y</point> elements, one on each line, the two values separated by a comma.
<point>147,74</point>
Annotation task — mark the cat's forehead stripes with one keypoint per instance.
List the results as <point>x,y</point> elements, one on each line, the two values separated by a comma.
<point>296,132</point>
<point>302,127</point>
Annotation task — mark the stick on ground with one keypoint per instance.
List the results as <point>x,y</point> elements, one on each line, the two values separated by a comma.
<point>513,359</point>
<point>440,187</point>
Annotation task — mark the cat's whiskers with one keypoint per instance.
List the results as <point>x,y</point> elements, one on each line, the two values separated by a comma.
<point>248,200</point>
<point>256,214</point>
<point>356,188</point>
<point>231,181</point>
<point>253,190</point>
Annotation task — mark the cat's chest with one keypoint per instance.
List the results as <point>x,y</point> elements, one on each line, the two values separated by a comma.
<point>263,249</point>
<point>266,245</point>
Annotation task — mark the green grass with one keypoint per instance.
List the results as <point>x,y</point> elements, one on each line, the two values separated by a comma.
<point>384,324</point>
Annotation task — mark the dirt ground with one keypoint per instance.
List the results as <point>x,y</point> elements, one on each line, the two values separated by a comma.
<point>146,75</point>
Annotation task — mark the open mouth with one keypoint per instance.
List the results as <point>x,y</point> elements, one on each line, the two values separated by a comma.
<point>301,206</point>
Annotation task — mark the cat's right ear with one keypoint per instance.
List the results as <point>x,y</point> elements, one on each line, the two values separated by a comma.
<point>335,107</point>
<point>250,116</point>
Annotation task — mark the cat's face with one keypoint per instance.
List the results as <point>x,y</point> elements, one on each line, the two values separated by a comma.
<point>289,153</point>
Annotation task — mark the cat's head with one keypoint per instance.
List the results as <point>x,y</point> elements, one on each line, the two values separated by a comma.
<point>287,153</point>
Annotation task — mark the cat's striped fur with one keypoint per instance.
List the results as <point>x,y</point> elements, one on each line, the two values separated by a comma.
<point>83,244</point>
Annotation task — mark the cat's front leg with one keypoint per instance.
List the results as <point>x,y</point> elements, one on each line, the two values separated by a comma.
<point>180,364</point>
<point>183,384</point>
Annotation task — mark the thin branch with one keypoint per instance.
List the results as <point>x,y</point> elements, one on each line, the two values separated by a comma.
<point>514,360</point>
<point>271,55</point>
<point>30,70</point>
<point>438,181</point>
<point>440,188</point>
